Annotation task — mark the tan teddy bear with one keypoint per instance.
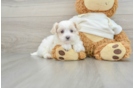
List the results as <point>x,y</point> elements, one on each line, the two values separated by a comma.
<point>101,36</point>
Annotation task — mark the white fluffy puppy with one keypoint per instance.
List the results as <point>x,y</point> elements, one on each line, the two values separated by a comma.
<point>65,33</point>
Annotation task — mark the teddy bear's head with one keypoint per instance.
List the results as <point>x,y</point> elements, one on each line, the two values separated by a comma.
<point>108,7</point>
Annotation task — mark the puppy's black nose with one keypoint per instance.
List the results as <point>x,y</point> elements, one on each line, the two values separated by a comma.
<point>67,37</point>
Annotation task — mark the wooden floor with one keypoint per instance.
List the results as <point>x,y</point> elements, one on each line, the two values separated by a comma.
<point>26,22</point>
<point>24,71</point>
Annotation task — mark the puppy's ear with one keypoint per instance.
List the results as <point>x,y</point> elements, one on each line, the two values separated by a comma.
<point>77,26</point>
<point>54,29</point>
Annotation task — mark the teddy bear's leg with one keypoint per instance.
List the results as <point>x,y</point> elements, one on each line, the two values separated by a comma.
<point>116,50</point>
<point>112,51</point>
<point>122,37</point>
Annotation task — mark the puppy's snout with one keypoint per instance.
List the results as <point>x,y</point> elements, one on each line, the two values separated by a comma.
<point>67,37</point>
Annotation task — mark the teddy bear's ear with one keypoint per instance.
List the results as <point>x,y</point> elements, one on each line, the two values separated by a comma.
<point>54,29</point>
<point>77,26</point>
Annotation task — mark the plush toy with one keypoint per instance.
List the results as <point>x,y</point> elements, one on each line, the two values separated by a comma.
<point>101,36</point>
<point>59,53</point>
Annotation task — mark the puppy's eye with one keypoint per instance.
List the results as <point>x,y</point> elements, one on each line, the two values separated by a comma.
<point>62,31</point>
<point>71,30</point>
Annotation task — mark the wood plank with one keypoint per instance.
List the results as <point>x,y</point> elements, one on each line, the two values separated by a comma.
<point>51,8</point>
<point>33,2</point>
<point>125,7</point>
<point>24,34</point>
<point>41,24</point>
<point>116,74</point>
<point>46,9</point>
<point>34,72</point>
<point>23,71</point>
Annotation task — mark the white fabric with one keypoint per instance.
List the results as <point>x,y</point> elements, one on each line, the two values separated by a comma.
<point>98,24</point>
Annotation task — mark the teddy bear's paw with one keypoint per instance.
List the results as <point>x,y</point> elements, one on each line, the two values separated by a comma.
<point>47,56</point>
<point>113,52</point>
<point>82,55</point>
<point>61,53</point>
<point>64,55</point>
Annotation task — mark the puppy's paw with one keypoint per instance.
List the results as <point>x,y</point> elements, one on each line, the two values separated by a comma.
<point>47,56</point>
<point>78,48</point>
<point>67,47</point>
